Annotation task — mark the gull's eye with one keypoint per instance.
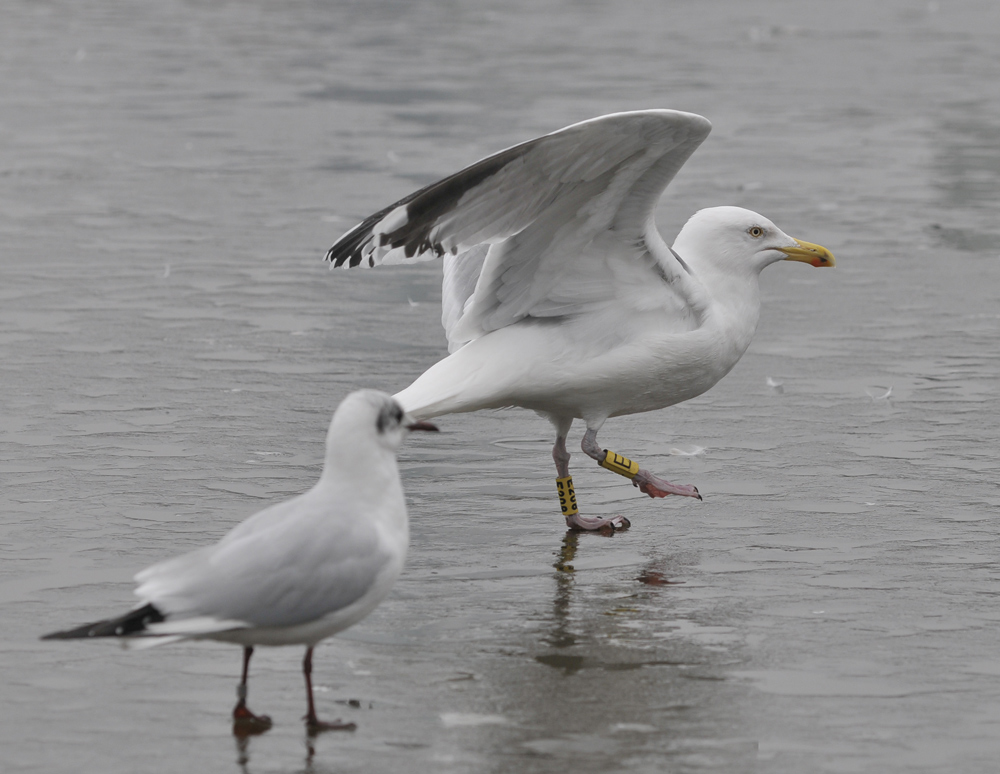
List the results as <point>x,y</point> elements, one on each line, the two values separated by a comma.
<point>755,231</point>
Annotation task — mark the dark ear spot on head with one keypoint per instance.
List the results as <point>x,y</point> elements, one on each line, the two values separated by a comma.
<point>390,416</point>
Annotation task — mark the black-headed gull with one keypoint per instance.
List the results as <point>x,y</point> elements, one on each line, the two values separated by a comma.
<point>561,296</point>
<point>295,573</point>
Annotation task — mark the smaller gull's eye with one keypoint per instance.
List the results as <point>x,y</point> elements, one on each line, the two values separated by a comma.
<point>389,417</point>
<point>755,231</point>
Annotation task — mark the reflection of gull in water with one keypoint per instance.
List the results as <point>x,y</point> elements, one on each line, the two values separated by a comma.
<point>652,574</point>
<point>295,573</point>
<point>562,637</point>
<point>561,296</point>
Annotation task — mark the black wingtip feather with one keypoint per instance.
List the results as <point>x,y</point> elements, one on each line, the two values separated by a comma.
<point>133,622</point>
<point>426,208</point>
<point>423,209</point>
<point>351,245</point>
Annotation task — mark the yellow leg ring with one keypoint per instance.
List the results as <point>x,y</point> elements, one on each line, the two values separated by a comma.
<point>619,464</point>
<point>567,497</point>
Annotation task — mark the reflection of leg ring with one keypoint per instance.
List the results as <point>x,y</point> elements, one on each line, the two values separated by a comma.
<point>567,497</point>
<point>619,464</point>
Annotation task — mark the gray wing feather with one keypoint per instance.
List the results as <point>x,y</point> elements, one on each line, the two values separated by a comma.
<point>500,195</point>
<point>248,576</point>
<point>461,274</point>
<point>517,227</point>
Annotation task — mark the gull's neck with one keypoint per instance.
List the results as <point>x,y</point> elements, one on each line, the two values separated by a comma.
<point>734,298</point>
<point>366,479</point>
<point>346,459</point>
<point>364,467</point>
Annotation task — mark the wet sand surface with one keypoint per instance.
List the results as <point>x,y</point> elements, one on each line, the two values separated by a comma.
<point>172,347</point>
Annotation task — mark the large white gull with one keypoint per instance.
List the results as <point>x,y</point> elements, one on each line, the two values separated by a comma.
<point>295,573</point>
<point>559,293</point>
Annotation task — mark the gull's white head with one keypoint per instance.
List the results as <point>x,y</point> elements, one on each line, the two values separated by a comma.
<point>741,242</point>
<point>369,420</point>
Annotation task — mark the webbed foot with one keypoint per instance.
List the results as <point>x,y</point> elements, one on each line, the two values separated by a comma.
<point>655,486</point>
<point>246,723</point>
<point>592,524</point>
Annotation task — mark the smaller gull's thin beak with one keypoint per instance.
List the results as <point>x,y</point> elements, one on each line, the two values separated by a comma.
<point>807,252</point>
<point>422,426</point>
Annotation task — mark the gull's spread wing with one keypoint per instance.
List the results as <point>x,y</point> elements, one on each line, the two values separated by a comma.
<point>542,228</point>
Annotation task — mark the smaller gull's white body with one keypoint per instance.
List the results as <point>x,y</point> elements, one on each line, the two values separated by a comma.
<point>299,571</point>
<point>561,296</point>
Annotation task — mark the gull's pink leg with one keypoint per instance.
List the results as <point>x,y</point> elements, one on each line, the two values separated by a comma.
<point>576,521</point>
<point>314,724</point>
<point>561,457</point>
<point>649,484</point>
<point>245,723</point>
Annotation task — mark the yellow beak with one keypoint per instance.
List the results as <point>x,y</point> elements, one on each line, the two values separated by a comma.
<point>807,252</point>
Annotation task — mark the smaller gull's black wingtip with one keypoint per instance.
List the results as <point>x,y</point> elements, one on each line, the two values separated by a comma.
<point>68,634</point>
<point>132,622</point>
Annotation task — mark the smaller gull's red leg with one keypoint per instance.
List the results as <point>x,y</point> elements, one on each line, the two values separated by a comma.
<point>314,724</point>
<point>246,723</point>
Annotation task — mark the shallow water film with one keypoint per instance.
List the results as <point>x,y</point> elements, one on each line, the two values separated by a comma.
<point>172,346</point>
